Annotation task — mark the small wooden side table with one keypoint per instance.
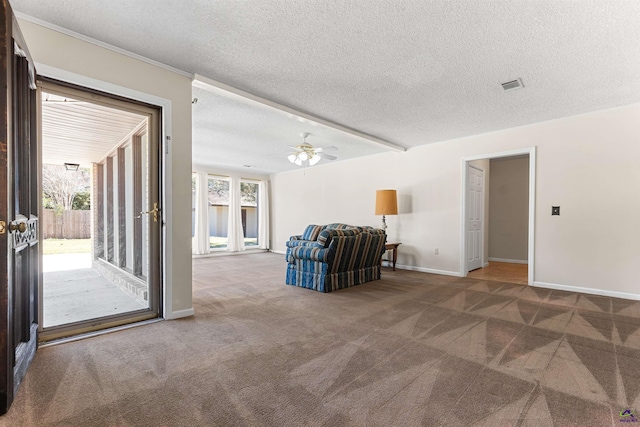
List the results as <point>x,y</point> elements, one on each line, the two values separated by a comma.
<point>393,247</point>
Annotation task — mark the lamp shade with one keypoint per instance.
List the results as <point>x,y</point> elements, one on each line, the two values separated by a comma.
<point>386,202</point>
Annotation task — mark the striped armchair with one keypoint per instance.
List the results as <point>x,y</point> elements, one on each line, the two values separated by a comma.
<point>334,256</point>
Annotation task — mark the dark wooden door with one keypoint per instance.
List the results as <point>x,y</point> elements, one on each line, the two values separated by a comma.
<point>19,258</point>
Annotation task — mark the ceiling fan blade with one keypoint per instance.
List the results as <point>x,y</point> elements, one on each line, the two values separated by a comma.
<point>330,148</point>
<point>328,156</point>
<point>294,148</point>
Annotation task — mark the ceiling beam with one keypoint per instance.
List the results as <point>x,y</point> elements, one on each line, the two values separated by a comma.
<point>216,87</point>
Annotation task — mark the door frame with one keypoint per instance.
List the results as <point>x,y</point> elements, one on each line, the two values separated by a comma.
<point>164,104</point>
<point>531,151</point>
<point>49,333</point>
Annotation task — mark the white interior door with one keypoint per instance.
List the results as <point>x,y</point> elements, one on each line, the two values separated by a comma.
<point>475,227</point>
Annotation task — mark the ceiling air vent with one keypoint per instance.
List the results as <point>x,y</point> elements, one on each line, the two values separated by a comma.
<point>512,85</point>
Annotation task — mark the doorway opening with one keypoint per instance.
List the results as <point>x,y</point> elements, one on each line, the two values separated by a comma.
<point>100,211</point>
<point>498,206</point>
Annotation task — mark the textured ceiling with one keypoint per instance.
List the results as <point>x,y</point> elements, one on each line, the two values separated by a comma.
<point>410,72</point>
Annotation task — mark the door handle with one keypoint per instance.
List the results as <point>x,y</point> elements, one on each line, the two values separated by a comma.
<point>21,227</point>
<point>153,211</point>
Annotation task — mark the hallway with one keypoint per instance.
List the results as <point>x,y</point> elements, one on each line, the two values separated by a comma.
<point>502,272</point>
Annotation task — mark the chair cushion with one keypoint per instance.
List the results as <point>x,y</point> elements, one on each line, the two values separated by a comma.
<point>339,226</point>
<point>311,232</point>
<point>324,239</point>
<point>372,230</point>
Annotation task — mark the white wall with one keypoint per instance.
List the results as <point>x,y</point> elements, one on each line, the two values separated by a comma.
<point>509,209</point>
<point>72,55</point>
<point>587,164</point>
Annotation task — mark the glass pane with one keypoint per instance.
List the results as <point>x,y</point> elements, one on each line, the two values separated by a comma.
<point>129,207</point>
<point>249,203</point>
<point>146,205</point>
<point>218,196</point>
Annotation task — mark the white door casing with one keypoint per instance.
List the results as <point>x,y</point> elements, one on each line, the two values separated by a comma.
<point>475,217</point>
<point>464,161</point>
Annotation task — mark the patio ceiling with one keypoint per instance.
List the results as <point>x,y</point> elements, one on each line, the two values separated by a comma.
<point>81,132</point>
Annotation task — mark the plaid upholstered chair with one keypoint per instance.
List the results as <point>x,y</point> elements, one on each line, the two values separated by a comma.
<point>334,256</point>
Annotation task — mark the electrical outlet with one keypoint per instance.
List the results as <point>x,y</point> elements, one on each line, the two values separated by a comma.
<point>437,251</point>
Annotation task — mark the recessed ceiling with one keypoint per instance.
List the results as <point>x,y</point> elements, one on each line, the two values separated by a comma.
<point>410,72</point>
<point>229,133</point>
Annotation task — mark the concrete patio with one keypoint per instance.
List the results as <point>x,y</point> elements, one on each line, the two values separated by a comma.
<point>73,291</point>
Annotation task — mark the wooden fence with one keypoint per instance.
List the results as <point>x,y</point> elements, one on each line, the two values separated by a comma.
<point>68,225</point>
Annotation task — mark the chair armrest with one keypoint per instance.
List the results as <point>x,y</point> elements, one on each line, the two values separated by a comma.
<point>296,243</point>
<point>316,253</point>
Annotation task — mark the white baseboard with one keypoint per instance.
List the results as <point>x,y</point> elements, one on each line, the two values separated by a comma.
<point>428,270</point>
<point>592,291</point>
<point>512,261</point>
<point>179,314</point>
<point>486,264</point>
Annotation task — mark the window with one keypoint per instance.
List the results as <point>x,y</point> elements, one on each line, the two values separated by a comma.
<point>249,201</point>
<point>217,225</point>
<point>218,198</point>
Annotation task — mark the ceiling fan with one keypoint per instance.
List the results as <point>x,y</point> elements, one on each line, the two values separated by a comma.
<point>306,153</point>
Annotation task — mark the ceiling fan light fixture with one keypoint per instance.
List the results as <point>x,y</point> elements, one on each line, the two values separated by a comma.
<point>308,155</point>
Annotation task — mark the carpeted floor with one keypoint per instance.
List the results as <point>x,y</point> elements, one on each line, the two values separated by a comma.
<point>412,349</point>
